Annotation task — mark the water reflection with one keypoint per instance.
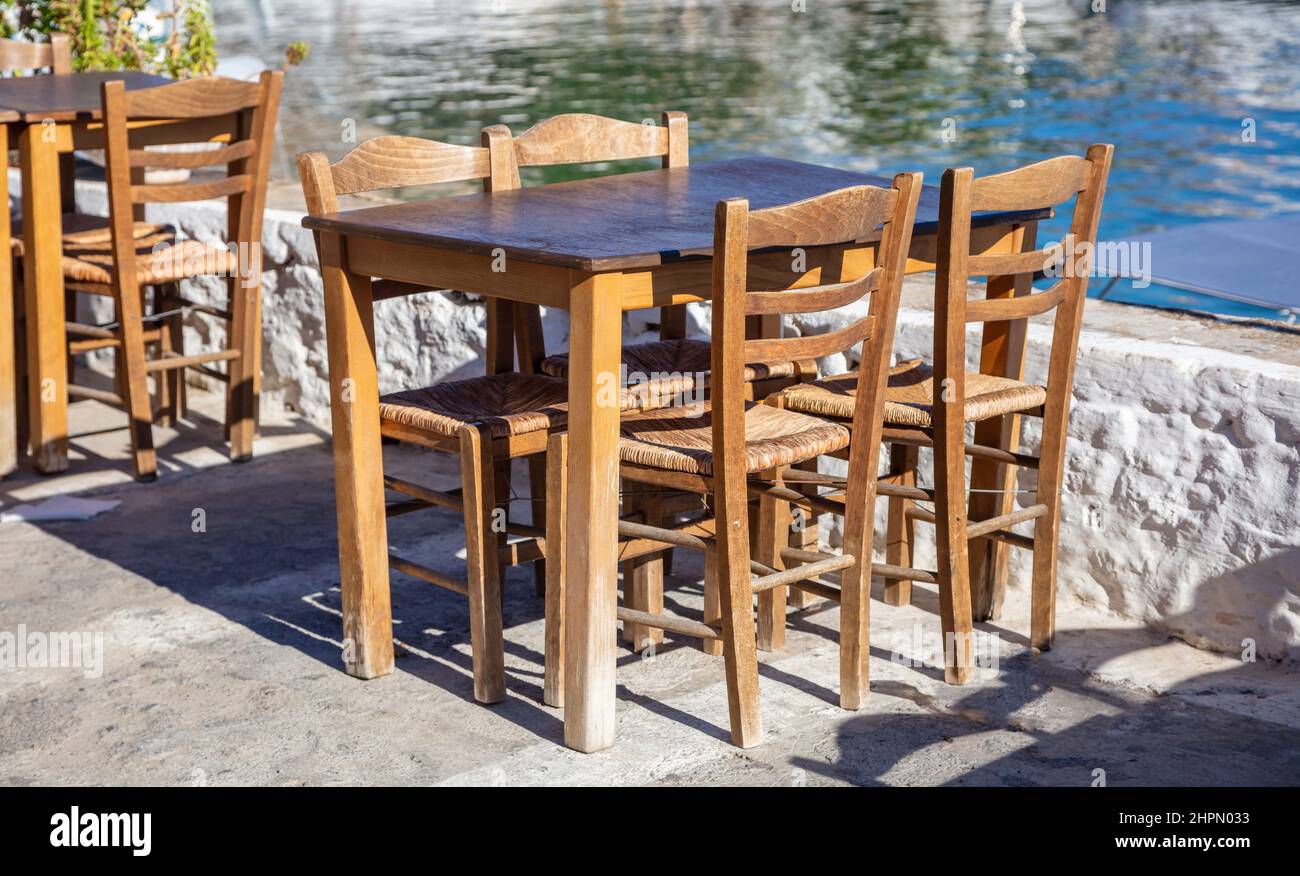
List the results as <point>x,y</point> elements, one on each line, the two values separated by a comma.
<point>871,85</point>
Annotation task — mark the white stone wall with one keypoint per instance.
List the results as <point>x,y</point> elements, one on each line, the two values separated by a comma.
<point>1182,497</point>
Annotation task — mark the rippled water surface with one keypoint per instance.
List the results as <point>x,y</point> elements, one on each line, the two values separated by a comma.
<point>880,86</point>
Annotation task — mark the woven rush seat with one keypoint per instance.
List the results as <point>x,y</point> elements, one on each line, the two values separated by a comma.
<point>160,258</point>
<point>503,405</point>
<point>673,439</point>
<point>910,393</point>
<point>676,363</point>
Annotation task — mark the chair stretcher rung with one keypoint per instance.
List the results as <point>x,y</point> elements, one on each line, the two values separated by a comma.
<point>671,623</point>
<point>818,588</point>
<point>1013,538</point>
<point>921,438</point>
<point>99,395</point>
<point>406,506</point>
<point>907,573</point>
<point>168,362</point>
<point>424,573</point>
<point>802,572</point>
<point>902,491</point>
<point>816,503</point>
<point>920,514</point>
<point>518,553</point>
<point>803,556</point>
<point>994,524</point>
<point>433,497</point>
<point>655,533</point>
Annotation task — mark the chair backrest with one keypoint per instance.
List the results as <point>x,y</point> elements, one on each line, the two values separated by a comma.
<point>585,138</point>
<point>1047,183</point>
<point>841,216</point>
<point>238,117</point>
<point>391,162</point>
<point>56,55</point>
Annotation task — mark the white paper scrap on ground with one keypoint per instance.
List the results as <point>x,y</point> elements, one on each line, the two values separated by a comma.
<point>58,508</point>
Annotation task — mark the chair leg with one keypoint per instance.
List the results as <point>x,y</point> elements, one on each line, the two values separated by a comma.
<point>501,478</point>
<point>1051,467</point>
<point>537,478</point>
<point>21,435</point>
<point>484,567</point>
<point>900,529</point>
<point>162,379</point>
<point>855,606</point>
<point>241,390</point>
<point>773,535</point>
<point>808,537</point>
<point>132,365</point>
<point>951,548</point>
<point>736,596</point>
<point>557,461</point>
<point>643,583</point>
<point>712,602</point>
<point>173,333</point>
<point>988,556</point>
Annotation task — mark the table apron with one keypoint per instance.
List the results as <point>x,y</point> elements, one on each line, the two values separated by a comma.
<point>680,282</point>
<point>75,134</point>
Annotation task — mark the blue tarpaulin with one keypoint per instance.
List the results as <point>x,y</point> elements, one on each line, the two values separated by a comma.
<point>1255,261</point>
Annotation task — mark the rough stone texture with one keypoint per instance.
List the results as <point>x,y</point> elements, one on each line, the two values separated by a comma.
<point>1182,498</point>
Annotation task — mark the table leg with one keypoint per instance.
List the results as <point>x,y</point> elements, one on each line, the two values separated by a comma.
<point>47,345</point>
<point>8,360</point>
<point>591,573</point>
<point>1002,352</point>
<point>358,466</point>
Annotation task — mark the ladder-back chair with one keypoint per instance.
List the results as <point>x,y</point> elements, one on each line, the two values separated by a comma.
<point>913,419</point>
<point>584,138</point>
<point>487,420</point>
<point>240,118</point>
<point>732,449</point>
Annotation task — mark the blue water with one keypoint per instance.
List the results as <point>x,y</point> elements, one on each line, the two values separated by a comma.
<point>870,85</point>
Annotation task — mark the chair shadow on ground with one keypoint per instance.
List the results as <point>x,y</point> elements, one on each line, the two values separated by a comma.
<point>268,561</point>
<point>1179,737</point>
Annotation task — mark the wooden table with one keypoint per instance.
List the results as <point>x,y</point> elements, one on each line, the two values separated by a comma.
<point>596,248</point>
<point>49,117</point>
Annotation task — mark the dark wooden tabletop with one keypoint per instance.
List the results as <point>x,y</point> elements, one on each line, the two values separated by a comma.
<point>617,222</point>
<point>65,97</point>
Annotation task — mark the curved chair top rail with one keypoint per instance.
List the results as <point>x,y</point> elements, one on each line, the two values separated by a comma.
<point>23,55</point>
<point>1045,183</point>
<point>198,98</point>
<point>841,216</point>
<point>393,161</point>
<point>582,138</point>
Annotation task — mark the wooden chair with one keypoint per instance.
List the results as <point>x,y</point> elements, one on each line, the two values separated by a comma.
<point>583,138</point>
<point>580,138</point>
<point>732,449</point>
<point>20,55</point>
<point>913,420</point>
<point>669,367</point>
<point>126,257</point>
<point>487,420</point>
